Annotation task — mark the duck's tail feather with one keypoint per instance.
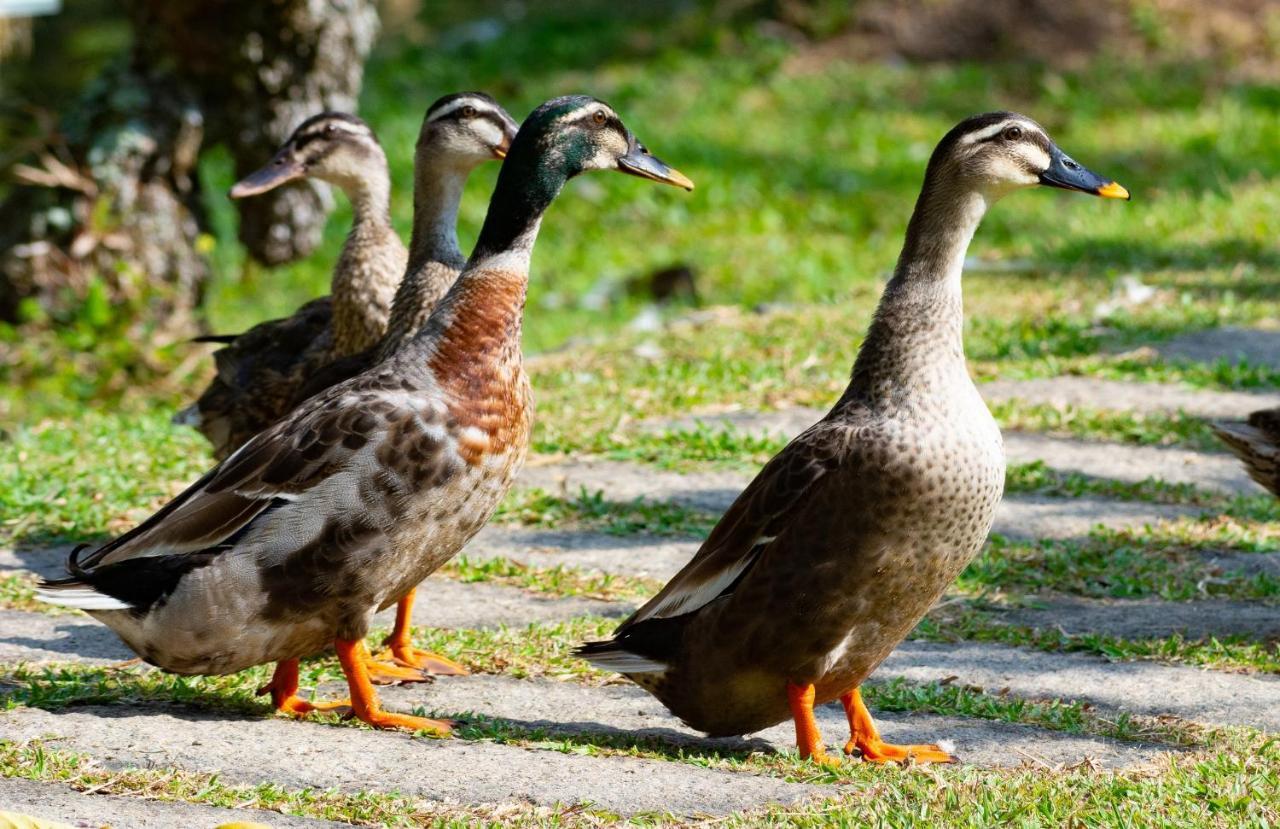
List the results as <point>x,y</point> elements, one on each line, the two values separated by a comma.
<point>189,416</point>
<point>610,655</point>
<point>222,339</point>
<point>77,594</point>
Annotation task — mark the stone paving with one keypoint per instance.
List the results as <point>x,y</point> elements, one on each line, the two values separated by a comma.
<point>481,773</point>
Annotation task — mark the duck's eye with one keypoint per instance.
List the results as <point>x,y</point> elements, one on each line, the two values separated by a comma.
<point>599,118</point>
<point>1012,133</point>
<point>468,111</point>
<point>330,129</point>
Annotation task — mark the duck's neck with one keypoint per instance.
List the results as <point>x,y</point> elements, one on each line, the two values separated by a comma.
<point>361,287</point>
<point>916,337</point>
<point>434,257</point>
<point>437,192</point>
<point>476,328</point>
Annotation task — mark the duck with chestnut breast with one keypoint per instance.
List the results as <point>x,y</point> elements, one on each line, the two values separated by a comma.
<point>848,536</point>
<point>1256,441</point>
<point>459,132</point>
<point>305,532</point>
<point>262,372</point>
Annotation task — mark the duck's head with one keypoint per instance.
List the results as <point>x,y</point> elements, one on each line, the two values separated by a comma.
<point>577,133</point>
<point>465,130</point>
<point>332,146</point>
<point>999,152</point>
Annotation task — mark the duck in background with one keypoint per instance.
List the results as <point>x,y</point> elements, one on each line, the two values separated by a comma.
<point>262,372</point>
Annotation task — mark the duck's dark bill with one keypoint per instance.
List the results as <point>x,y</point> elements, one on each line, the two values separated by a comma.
<point>278,172</point>
<point>638,162</point>
<point>1070,175</point>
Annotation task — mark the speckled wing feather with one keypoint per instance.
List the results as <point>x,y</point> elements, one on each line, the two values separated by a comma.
<point>294,467</point>
<point>260,372</point>
<point>758,516</point>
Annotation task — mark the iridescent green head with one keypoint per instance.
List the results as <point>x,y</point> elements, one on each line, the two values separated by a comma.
<point>559,140</point>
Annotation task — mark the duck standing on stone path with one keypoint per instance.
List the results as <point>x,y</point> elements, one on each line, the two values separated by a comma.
<point>310,528</point>
<point>262,372</point>
<point>848,536</point>
<point>1256,441</point>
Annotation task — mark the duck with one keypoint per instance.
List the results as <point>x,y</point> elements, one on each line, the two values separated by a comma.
<point>263,371</point>
<point>301,535</point>
<point>1256,442</point>
<point>842,542</point>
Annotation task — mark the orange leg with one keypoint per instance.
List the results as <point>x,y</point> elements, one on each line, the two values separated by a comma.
<point>865,738</point>
<point>283,689</point>
<point>364,700</point>
<point>400,649</point>
<point>808,740</point>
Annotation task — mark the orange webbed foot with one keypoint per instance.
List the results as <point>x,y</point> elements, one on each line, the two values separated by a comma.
<point>426,663</point>
<point>365,705</point>
<point>878,751</point>
<point>866,742</point>
<point>399,650</point>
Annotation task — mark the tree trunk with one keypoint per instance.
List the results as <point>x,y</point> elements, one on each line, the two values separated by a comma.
<point>114,203</point>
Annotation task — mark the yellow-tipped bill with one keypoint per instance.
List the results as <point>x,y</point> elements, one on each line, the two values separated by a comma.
<point>1113,190</point>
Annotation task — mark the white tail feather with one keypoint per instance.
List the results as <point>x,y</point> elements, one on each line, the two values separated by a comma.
<point>625,662</point>
<point>82,598</point>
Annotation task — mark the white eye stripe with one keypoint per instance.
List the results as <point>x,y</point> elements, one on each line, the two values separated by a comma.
<point>454,106</point>
<point>987,132</point>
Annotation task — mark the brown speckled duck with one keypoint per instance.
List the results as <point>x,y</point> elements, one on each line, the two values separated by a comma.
<point>848,536</point>
<point>266,371</point>
<point>1256,441</point>
<point>299,537</point>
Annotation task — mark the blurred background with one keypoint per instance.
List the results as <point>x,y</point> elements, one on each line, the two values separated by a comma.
<point>806,125</point>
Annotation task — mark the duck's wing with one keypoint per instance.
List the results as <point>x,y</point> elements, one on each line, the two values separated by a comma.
<point>756,517</point>
<point>287,464</point>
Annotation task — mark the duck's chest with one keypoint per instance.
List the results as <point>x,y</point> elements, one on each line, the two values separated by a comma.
<point>940,465</point>
<point>489,444</point>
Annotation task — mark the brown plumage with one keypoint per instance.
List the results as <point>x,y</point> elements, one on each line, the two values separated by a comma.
<point>1256,442</point>
<point>260,371</point>
<point>845,539</point>
<point>298,538</point>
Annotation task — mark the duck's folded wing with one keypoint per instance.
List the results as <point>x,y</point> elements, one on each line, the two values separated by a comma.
<point>756,517</point>
<point>281,465</point>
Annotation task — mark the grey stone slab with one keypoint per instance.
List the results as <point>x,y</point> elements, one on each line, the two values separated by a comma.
<point>1205,470</point>
<point>1208,470</point>
<point>1017,517</point>
<point>244,749</point>
<point>1120,395</point>
<point>1147,688</point>
<point>49,561</point>
<point>1229,343</point>
<point>60,802</point>
<point>442,603</point>
<point>38,638</point>
<point>1147,618</point>
<point>1029,517</point>
<point>624,709</point>
<point>632,555</point>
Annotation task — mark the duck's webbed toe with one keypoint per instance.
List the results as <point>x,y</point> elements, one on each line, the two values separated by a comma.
<point>865,739</point>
